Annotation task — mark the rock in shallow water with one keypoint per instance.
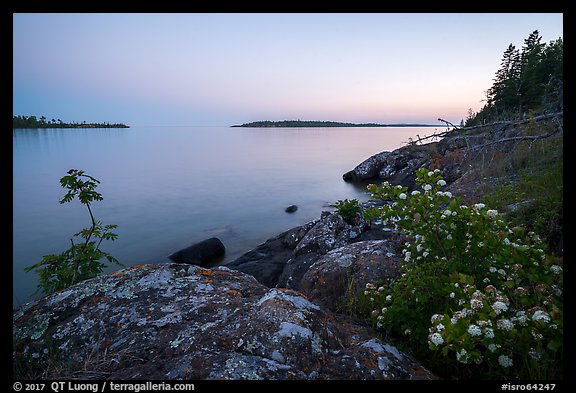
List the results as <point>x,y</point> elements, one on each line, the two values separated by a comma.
<point>203,253</point>
<point>175,321</point>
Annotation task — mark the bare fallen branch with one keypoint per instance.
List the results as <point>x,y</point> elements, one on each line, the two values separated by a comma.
<point>519,138</point>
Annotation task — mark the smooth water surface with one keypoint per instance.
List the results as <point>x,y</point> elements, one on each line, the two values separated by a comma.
<point>169,187</point>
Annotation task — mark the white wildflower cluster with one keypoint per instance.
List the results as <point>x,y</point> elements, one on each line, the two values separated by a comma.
<point>463,356</point>
<point>541,316</point>
<point>499,307</point>
<point>436,339</point>
<point>505,361</point>
<point>489,333</point>
<point>474,330</point>
<point>492,322</point>
<point>556,269</point>
<point>504,324</point>
<point>492,213</point>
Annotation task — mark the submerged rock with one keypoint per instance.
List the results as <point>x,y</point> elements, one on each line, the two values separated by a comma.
<point>176,321</point>
<point>291,209</point>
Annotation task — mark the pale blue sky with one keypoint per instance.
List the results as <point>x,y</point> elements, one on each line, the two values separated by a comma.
<point>224,69</point>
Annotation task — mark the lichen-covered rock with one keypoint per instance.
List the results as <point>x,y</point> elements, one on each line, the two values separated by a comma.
<point>368,168</point>
<point>176,321</point>
<point>397,166</point>
<point>347,270</point>
<point>330,232</point>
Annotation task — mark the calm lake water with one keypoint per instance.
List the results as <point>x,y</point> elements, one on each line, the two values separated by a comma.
<point>169,187</point>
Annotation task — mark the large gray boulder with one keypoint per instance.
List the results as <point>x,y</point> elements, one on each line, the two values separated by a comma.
<point>178,321</point>
<point>396,166</point>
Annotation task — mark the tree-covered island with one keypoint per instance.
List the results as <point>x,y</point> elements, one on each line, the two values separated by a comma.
<point>317,123</point>
<point>42,122</point>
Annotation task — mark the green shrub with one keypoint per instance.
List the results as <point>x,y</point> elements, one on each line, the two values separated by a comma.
<point>476,299</point>
<point>82,260</point>
<point>348,208</point>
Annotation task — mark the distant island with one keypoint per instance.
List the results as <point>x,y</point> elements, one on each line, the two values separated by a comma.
<point>316,123</point>
<point>42,122</point>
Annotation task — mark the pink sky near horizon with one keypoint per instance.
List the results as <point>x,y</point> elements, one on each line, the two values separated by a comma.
<point>224,69</point>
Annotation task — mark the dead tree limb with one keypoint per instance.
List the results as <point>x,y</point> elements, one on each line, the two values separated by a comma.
<point>447,123</point>
<point>519,138</point>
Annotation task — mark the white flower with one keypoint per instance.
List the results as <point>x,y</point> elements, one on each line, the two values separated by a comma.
<point>425,254</point>
<point>462,356</point>
<point>436,318</point>
<point>415,192</point>
<point>447,212</point>
<point>436,170</point>
<point>380,289</point>
<point>492,347</point>
<point>506,241</point>
<point>389,298</point>
<point>504,324</point>
<point>556,269</point>
<point>427,187</point>
<point>407,332</point>
<point>452,294</point>
<point>480,244</point>
<point>474,330</point>
<point>488,333</point>
<point>436,339</point>
<point>541,316</point>
<point>492,213</point>
<point>402,196</point>
<point>441,182</point>
<point>504,361</point>
<point>479,206</point>
<point>499,306</point>
<point>476,304</point>
<point>430,173</point>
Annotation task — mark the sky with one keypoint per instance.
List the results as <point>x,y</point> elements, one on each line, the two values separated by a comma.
<point>205,69</point>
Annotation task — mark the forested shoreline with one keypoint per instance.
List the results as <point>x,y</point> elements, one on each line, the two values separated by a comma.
<point>320,123</point>
<point>530,81</point>
<point>43,122</point>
